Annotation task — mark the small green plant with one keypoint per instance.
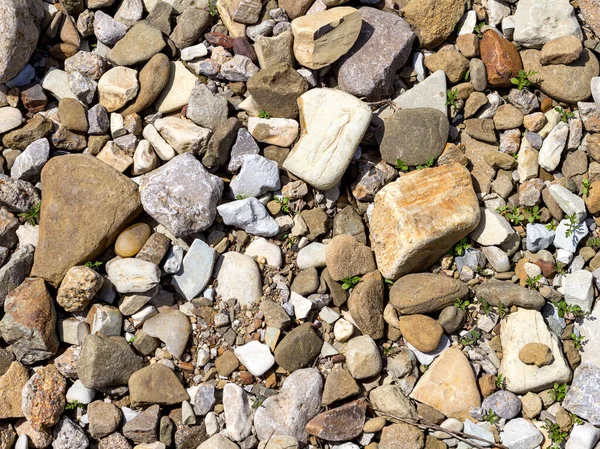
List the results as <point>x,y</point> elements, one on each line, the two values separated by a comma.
<point>502,310</point>
<point>427,164</point>
<point>558,392</point>
<point>555,434</point>
<point>462,304</point>
<point>284,201</point>
<point>500,381</point>
<point>94,265</point>
<point>534,214</point>
<point>585,186</point>
<point>559,267</point>
<point>400,165</point>
<point>467,75</point>
<point>288,240</point>
<point>515,156</point>
<point>452,97</point>
<point>470,338</point>
<point>514,216</point>
<point>533,282</point>
<point>350,282</point>
<point>263,114</point>
<point>502,209</point>
<point>571,225</point>
<point>256,404</point>
<point>576,419</point>
<point>564,115</point>
<point>522,79</point>
<point>478,28</point>
<point>388,281</point>
<point>212,8</point>
<point>388,351</point>
<point>577,340</point>
<point>132,339</point>
<point>73,405</point>
<point>485,306</point>
<point>240,196</point>
<point>491,417</point>
<point>594,242</point>
<point>567,310</point>
<point>461,247</point>
<point>552,225</point>
<point>32,216</point>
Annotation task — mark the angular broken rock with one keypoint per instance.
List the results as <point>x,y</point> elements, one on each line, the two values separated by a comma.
<point>250,215</point>
<point>181,195</point>
<point>322,38</point>
<point>418,218</point>
<point>334,123</point>
<point>15,270</point>
<point>86,205</point>
<point>339,424</point>
<point>17,195</point>
<point>583,396</point>
<point>29,322</point>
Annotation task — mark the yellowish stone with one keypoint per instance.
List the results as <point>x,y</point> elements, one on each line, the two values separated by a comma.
<point>131,240</point>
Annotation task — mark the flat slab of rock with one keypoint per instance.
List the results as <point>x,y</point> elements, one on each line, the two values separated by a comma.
<point>383,46</point>
<point>334,123</point>
<point>339,424</point>
<point>181,195</point>
<point>86,205</point>
<point>426,293</point>
<point>518,329</point>
<point>583,396</point>
<point>589,328</point>
<point>156,384</point>
<point>172,327</point>
<point>509,294</point>
<point>418,218</point>
<point>196,270</point>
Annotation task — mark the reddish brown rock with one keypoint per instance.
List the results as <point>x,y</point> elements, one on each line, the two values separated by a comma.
<point>501,58</point>
<point>44,397</point>
<point>339,424</point>
<point>219,39</point>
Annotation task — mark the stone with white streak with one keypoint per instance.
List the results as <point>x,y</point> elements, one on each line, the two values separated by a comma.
<point>196,270</point>
<point>568,202</point>
<point>132,275</point>
<point>250,215</point>
<point>255,356</point>
<point>160,145</point>
<point>182,135</point>
<point>334,124</point>
<point>274,131</point>
<point>553,146</point>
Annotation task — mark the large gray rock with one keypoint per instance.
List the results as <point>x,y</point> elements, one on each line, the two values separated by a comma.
<point>414,136</point>
<point>20,22</point>
<point>29,163</point>
<point>287,413</point>
<point>205,108</point>
<point>583,397</point>
<point>181,195</point>
<point>383,46</point>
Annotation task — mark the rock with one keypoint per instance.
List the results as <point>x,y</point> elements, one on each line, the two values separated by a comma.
<point>218,441</point>
<point>28,325</point>
<point>421,331</point>
<point>238,412</point>
<point>244,145</point>
<point>520,433</point>
<point>12,382</point>
<point>183,135</point>
<point>276,89</point>
<point>238,277</point>
<point>399,238</point>
<point>346,257</point>
<point>449,385</point>
<point>501,59</point>
<point>132,239</point>
<point>383,34</point>
<point>153,78</point>
<point>339,385</point>
<point>15,270</point>
<point>173,98</point>
<point>106,362</point>
<point>250,215</point>
<point>582,396</point>
<point>333,124</point>
<point>589,328</point>
<point>520,328</point>
<point>568,202</point>
<point>410,436</point>
<point>276,131</point>
<point>537,354</point>
<point>389,399</point>
<point>17,195</point>
<point>226,363</point>
<point>258,176</point>
<point>493,229</point>
<point>508,117</point>
<point>583,436</point>
<point>287,413</point>
<point>537,22</point>
<point>422,131</point>
<point>510,295</point>
<point>104,418</point>
<point>263,249</point>
<point>107,30</point>
<point>141,43</point>
<point>433,21</point>
<point>156,384</point>
<point>132,275</point>
<point>562,50</point>
<point>256,357</point>
<point>538,237</point>
<point>28,165</point>
<point>21,23</point>
<point>116,87</point>
<point>196,270</point>
<point>275,315</point>
<point>67,434</point>
<point>503,403</point>
<point>142,428</point>
<point>44,397</point>
<point>425,293</point>
<point>579,290</point>
<point>204,400</point>
<point>452,319</point>
<point>34,129</point>
<point>191,24</point>
<point>362,357</point>
<point>339,424</point>
<point>553,146</point>
<point>172,327</point>
<point>191,206</point>
<point>366,305</point>
<point>10,118</point>
<point>78,288</point>
<point>454,64</point>
<point>205,108</point>
<point>322,38</point>
<point>239,68</point>
<point>298,348</point>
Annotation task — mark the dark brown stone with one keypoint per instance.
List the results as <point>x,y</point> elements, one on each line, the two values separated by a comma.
<point>339,424</point>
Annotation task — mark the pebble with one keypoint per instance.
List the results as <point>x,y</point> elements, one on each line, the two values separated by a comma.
<point>107,30</point>
<point>28,165</point>
<point>10,118</point>
<point>238,277</point>
<point>256,357</point>
<point>133,275</point>
<point>521,434</point>
<point>250,215</point>
<point>172,327</point>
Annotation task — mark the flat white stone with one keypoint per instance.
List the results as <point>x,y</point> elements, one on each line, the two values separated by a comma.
<point>10,118</point>
<point>132,275</point>
<point>589,328</point>
<point>256,357</point>
<point>334,123</point>
<point>196,270</point>
<point>302,305</point>
<point>583,436</point>
<point>427,358</point>
<point>274,131</point>
<point>553,146</point>
<point>262,248</point>
<point>579,290</point>
<point>519,433</point>
<point>182,135</point>
<point>193,52</point>
<point>569,202</point>
<point>258,176</point>
<point>312,255</point>
<point>539,21</point>
<point>493,228</point>
<point>238,278</point>
<point>570,242</point>
<point>57,83</point>
<point>250,215</point>
<point>176,93</point>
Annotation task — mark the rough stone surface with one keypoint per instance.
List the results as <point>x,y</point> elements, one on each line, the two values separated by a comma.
<point>582,396</point>
<point>156,384</point>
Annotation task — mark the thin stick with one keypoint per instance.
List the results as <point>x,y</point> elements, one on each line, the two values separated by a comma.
<point>461,436</point>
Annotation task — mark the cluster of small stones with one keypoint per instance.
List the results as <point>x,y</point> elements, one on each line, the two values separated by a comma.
<point>280,224</point>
